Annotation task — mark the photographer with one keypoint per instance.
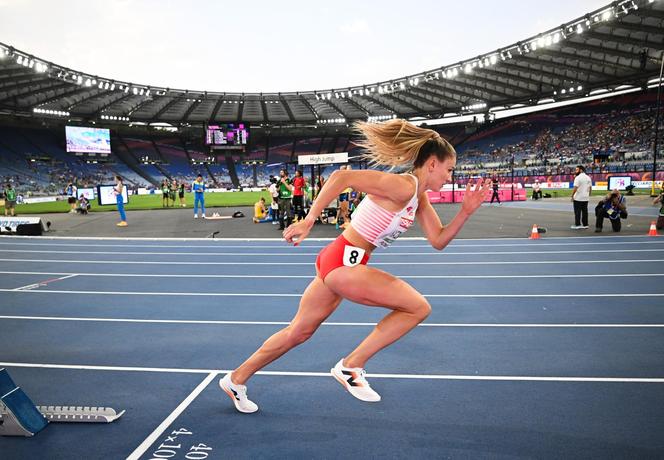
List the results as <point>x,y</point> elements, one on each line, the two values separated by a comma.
<point>613,207</point>
<point>285,195</point>
<point>83,205</point>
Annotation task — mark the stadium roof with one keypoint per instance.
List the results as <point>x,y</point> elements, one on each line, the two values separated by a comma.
<point>612,48</point>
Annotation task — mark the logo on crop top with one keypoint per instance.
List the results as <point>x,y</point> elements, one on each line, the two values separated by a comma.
<point>406,223</point>
<point>408,220</point>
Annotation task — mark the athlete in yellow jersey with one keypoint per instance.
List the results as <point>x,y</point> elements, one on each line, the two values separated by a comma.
<point>260,212</point>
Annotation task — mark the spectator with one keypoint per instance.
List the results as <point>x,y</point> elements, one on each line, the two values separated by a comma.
<point>660,217</point>
<point>613,207</point>
<point>580,197</point>
<point>537,192</point>
<point>10,199</point>
<point>299,183</point>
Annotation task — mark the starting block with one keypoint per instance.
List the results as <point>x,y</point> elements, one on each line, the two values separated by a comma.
<point>20,417</point>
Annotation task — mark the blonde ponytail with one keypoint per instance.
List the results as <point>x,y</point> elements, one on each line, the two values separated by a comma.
<point>397,143</point>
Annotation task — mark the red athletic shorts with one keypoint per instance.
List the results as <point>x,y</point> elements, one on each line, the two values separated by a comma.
<point>339,253</point>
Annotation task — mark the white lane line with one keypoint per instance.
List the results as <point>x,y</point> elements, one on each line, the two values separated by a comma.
<point>308,246</point>
<point>154,436</point>
<point>327,374</point>
<point>311,276</point>
<point>265,246</point>
<point>236,240</point>
<point>43,283</point>
<point>308,254</point>
<point>333,324</point>
<point>178,262</point>
<point>264,294</point>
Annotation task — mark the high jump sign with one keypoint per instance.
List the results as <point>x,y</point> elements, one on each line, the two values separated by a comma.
<point>325,158</point>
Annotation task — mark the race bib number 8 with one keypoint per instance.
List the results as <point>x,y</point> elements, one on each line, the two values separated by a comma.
<point>353,256</point>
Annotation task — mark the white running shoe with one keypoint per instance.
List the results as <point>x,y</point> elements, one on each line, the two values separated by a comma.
<point>195,216</point>
<point>352,378</point>
<point>238,393</point>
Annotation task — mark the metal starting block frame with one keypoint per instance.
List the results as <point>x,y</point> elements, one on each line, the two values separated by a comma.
<point>20,417</point>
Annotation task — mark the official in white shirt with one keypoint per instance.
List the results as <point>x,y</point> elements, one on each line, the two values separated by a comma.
<point>583,185</point>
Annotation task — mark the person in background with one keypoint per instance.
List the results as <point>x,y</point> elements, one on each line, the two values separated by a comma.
<point>181,194</point>
<point>613,207</point>
<point>495,187</point>
<point>320,181</point>
<point>274,210</point>
<point>83,205</point>
<point>299,182</point>
<point>164,193</point>
<point>660,217</point>
<point>172,191</point>
<point>285,194</point>
<point>119,199</point>
<point>10,199</point>
<point>260,212</point>
<point>198,187</point>
<point>583,186</point>
<point>537,192</point>
<point>71,196</point>
<point>344,204</point>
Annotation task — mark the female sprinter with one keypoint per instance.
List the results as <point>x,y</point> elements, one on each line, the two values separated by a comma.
<point>389,209</point>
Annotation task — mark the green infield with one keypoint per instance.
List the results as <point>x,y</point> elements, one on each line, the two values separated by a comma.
<point>144,202</point>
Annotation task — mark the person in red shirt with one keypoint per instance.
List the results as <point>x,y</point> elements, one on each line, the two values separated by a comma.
<point>298,194</point>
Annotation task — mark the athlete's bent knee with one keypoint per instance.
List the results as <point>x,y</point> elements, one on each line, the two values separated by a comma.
<point>422,311</point>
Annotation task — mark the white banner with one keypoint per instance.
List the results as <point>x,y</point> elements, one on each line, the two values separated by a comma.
<point>554,185</point>
<point>324,158</point>
<point>41,199</point>
<point>646,184</point>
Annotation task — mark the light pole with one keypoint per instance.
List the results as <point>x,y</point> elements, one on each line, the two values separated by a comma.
<point>654,153</point>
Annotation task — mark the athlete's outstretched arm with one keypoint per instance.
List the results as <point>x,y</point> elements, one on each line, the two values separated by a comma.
<point>440,235</point>
<point>396,187</point>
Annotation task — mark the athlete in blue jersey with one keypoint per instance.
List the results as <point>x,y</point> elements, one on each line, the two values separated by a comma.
<point>198,187</point>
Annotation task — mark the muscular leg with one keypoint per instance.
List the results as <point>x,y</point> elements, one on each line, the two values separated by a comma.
<point>369,286</point>
<point>317,303</point>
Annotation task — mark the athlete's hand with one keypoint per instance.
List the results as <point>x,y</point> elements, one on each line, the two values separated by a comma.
<point>296,233</point>
<point>472,199</point>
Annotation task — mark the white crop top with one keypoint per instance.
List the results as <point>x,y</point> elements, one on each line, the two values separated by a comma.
<point>379,226</point>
